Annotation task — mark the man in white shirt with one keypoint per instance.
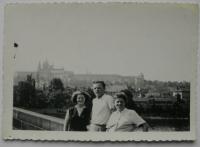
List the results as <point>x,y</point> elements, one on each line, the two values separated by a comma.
<point>103,105</point>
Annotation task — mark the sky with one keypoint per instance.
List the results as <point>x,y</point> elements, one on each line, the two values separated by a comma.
<point>159,40</point>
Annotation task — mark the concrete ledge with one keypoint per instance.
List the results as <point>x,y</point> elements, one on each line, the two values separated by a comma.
<point>28,119</point>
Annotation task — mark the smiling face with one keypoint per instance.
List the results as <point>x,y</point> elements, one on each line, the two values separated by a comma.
<point>119,104</point>
<point>80,99</point>
<point>98,89</point>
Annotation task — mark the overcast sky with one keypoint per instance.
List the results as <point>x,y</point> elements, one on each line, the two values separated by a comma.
<point>159,40</point>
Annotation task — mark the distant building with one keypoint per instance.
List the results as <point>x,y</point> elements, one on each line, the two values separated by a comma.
<point>115,88</point>
<point>46,72</point>
<point>22,76</point>
<point>183,94</point>
<point>139,80</point>
<point>98,77</point>
<point>153,95</point>
<point>112,79</point>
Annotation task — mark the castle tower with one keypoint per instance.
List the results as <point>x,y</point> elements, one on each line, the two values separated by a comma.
<point>38,75</point>
<point>139,80</point>
<point>46,65</point>
<point>39,67</point>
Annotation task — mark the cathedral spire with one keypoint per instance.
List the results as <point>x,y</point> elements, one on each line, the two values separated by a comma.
<point>39,66</point>
<point>46,64</point>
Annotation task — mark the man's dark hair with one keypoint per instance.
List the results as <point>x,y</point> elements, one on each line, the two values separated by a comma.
<point>100,82</point>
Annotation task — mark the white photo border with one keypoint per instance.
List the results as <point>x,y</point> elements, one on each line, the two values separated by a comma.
<point>10,134</point>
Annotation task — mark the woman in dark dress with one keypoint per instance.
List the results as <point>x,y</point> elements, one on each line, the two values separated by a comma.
<point>78,117</point>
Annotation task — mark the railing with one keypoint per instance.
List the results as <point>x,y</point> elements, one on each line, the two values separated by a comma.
<point>28,120</point>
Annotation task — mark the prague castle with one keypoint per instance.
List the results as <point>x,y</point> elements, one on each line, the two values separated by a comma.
<point>46,72</point>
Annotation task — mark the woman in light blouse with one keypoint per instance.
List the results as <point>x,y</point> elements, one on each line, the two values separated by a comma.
<point>123,119</point>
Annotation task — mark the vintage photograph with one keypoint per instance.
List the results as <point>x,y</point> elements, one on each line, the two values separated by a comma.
<point>89,68</point>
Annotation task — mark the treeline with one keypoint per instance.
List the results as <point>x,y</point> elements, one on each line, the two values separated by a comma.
<point>53,96</point>
<point>56,96</point>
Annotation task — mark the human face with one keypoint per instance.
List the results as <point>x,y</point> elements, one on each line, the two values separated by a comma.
<point>80,99</point>
<point>98,90</point>
<point>119,104</point>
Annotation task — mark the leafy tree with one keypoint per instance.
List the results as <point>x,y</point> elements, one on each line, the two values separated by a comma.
<point>56,98</point>
<point>41,99</point>
<point>91,93</point>
<point>26,92</point>
<point>56,84</point>
<point>15,96</point>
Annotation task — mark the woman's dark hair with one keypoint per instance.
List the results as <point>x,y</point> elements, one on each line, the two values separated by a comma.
<point>85,94</point>
<point>128,93</point>
<point>75,94</point>
<point>122,96</point>
<point>130,102</point>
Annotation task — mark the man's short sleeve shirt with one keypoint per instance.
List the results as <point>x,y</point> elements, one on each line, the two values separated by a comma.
<point>101,109</point>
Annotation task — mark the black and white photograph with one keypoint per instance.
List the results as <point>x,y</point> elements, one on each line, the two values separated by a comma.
<point>111,68</point>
